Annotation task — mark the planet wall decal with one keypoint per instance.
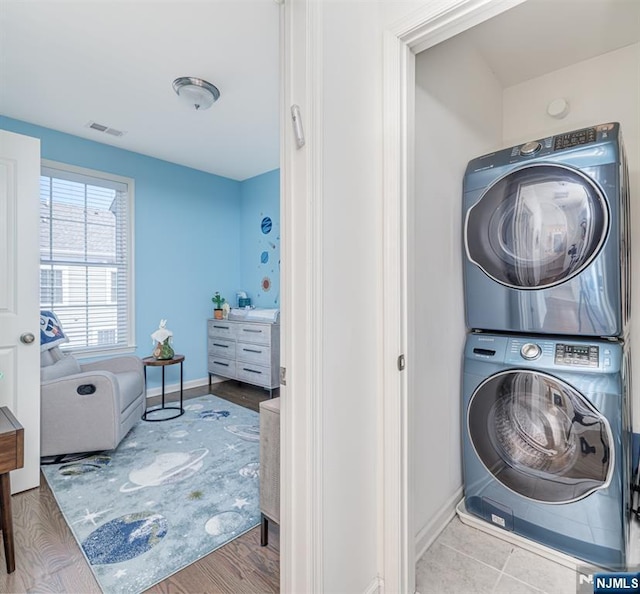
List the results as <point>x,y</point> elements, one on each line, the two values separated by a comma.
<point>266,225</point>
<point>266,283</point>
<point>124,538</point>
<point>168,468</point>
<point>264,257</point>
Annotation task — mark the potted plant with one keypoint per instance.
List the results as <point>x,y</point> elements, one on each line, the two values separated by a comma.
<point>218,300</point>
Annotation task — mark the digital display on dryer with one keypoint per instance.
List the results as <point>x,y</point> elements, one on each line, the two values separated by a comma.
<point>564,141</point>
<point>577,354</point>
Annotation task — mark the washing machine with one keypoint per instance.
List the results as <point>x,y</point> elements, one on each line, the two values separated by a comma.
<point>547,441</point>
<point>546,236</point>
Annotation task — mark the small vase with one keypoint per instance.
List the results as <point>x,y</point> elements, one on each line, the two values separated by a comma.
<point>217,314</point>
<point>163,350</point>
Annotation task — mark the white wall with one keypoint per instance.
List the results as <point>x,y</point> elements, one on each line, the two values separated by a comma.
<point>458,117</point>
<point>603,89</point>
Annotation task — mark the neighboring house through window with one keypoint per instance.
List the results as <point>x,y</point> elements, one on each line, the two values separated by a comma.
<point>86,256</point>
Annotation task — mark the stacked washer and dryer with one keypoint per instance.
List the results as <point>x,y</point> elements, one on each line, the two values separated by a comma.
<point>546,380</point>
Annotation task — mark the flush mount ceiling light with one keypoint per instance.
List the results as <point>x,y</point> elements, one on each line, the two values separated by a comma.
<point>198,93</point>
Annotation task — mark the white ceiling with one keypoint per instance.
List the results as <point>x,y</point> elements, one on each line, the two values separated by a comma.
<point>540,36</point>
<point>65,64</point>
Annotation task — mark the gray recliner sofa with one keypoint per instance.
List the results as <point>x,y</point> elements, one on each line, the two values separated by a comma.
<point>88,407</point>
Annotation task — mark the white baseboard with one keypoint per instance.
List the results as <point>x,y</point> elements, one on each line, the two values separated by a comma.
<point>375,587</point>
<point>168,388</point>
<point>426,536</point>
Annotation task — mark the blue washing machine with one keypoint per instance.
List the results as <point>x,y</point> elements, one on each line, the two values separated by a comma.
<point>547,441</point>
<point>546,234</point>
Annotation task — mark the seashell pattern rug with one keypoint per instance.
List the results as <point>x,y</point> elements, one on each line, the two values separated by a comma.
<point>171,493</point>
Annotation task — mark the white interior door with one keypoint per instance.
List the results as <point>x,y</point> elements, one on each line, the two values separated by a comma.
<point>19,296</point>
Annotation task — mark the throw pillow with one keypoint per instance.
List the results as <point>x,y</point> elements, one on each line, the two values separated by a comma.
<point>51,333</point>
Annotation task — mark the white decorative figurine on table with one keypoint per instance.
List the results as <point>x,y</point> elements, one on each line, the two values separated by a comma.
<point>162,339</point>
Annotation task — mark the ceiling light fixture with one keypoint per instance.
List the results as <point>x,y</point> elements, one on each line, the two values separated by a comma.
<point>196,92</point>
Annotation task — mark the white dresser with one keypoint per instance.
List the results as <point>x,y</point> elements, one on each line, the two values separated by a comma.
<point>245,351</point>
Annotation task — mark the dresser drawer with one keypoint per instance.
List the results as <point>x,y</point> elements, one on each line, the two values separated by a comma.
<point>256,333</point>
<point>218,347</point>
<point>254,353</point>
<point>254,374</point>
<point>223,367</point>
<point>222,329</point>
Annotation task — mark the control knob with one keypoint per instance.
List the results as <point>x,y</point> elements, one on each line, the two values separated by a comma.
<point>530,351</point>
<point>530,148</point>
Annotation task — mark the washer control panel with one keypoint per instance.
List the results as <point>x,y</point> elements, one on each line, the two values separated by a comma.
<point>581,355</point>
<point>565,141</point>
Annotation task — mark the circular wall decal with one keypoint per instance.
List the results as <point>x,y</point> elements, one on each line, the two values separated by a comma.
<point>264,257</point>
<point>266,225</point>
<point>266,283</point>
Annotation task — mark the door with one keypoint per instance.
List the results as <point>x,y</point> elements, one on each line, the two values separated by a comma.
<point>537,227</point>
<point>540,437</point>
<point>19,296</point>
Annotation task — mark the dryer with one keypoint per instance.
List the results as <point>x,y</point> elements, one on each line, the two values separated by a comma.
<point>546,236</point>
<point>547,441</point>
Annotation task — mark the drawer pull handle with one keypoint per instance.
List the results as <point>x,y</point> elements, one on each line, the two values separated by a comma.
<point>220,363</point>
<point>252,370</point>
<point>222,346</point>
<point>221,327</point>
<point>251,351</point>
<point>250,330</point>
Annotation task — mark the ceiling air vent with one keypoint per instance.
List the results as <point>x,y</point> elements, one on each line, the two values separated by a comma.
<point>105,129</point>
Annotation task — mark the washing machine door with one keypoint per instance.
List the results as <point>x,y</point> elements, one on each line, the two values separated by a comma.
<point>539,437</point>
<point>537,227</point>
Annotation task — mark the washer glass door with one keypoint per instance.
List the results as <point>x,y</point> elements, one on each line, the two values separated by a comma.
<point>537,226</point>
<point>540,437</point>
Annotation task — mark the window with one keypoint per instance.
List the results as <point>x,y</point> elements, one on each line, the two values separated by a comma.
<point>86,256</point>
<point>50,285</point>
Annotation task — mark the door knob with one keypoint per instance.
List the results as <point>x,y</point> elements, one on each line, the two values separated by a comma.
<point>27,338</point>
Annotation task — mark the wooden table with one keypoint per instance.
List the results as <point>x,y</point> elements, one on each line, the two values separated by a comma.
<point>153,362</point>
<point>11,458</point>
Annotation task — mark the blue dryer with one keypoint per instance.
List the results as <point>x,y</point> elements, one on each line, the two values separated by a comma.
<point>546,236</point>
<point>547,441</point>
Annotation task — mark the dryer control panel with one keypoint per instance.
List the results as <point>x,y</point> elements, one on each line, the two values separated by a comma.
<point>582,355</point>
<point>564,141</point>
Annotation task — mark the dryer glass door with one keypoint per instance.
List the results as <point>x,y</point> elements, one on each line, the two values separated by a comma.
<point>537,227</point>
<point>539,437</point>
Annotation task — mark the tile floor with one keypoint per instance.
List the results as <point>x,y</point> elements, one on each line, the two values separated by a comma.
<point>465,560</point>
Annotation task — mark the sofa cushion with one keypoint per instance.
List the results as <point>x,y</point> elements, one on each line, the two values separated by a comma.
<point>66,366</point>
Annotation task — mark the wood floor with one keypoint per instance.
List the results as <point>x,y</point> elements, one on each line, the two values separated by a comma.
<point>48,559</point>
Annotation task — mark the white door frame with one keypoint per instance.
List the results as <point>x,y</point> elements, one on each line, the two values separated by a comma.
<point>425,28</point>
<point>301,433</point>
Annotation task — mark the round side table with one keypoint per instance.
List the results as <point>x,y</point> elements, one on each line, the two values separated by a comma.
<point>153,362</point>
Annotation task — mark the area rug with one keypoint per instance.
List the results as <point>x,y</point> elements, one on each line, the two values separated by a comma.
<point>172,492</point>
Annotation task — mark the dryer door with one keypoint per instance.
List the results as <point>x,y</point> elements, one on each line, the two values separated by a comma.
<point>539,437</point>
<point>537,227</point>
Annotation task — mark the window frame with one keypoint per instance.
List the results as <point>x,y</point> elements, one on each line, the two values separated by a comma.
<point>130,346</point>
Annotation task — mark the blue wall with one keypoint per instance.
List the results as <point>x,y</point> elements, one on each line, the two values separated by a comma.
<point>260,249</point>
<point>188,238</point>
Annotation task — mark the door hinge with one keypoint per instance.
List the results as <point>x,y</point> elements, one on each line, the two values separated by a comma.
<point>283,376</point>
<point>401,363</point>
